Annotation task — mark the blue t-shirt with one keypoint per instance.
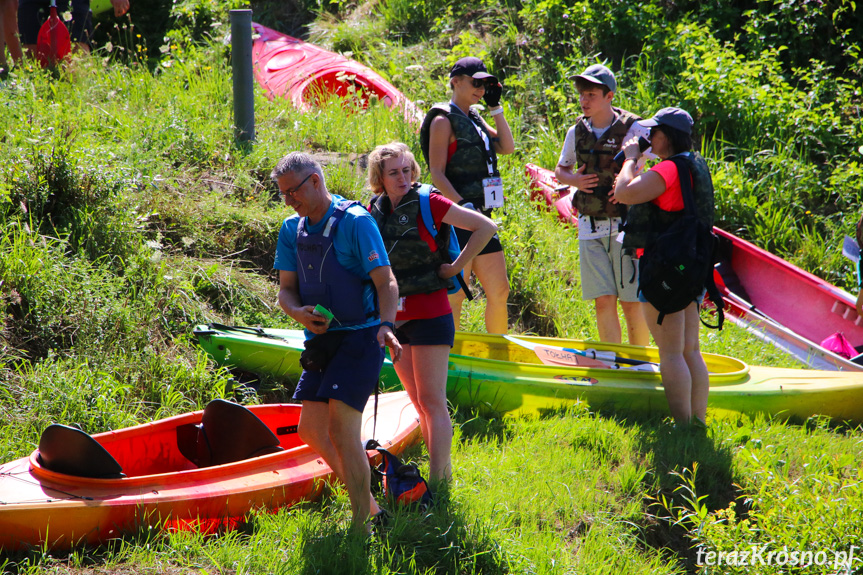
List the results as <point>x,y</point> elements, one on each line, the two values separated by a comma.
<point>358,245</point>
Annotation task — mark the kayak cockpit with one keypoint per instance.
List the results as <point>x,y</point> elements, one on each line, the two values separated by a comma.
<point>643,361</point>
<point>224,433</point>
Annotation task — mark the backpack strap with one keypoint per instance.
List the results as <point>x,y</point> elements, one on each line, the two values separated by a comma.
<point>424,191</point>
<point>684,174</point>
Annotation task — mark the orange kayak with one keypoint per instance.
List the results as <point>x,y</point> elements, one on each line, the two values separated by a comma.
<point>162,487</point>
<point>305,74</point>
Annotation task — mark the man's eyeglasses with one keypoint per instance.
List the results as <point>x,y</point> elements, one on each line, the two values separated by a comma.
<point>479,82</point>
<point>291,193</point>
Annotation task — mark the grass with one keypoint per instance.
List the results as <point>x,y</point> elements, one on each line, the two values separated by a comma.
<point>128,215</point>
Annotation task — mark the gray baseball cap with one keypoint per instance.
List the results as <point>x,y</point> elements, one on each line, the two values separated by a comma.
<point>599,74</point>
<point>671,117</point>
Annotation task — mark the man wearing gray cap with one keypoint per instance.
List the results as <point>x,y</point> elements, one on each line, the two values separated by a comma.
<point>608,274</point>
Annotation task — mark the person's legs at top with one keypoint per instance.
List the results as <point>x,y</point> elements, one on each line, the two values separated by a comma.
<point>695,362</point>
<point>4,65</point>
<point>81,25</point>
<point>676,379</point>
<point>29,21</point>
<point>490,270</point>
<point>9,18</point>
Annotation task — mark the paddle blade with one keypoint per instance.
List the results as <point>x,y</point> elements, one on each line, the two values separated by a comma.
<point>850,249</point>
<point>53,43</point>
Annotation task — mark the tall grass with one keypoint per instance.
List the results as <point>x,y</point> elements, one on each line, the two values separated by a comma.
<point>128,215</point>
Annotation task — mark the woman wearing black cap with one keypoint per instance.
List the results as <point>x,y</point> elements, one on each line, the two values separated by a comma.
<point>461,151</point>
<point>684,373</point>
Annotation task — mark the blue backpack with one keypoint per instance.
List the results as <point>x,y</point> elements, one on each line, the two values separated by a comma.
<point>449,243</point>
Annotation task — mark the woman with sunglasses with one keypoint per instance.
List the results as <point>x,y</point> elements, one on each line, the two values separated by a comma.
<point>461,151</point>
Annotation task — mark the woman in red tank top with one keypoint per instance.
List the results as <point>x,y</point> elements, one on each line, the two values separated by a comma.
<point>424,322</point>
<point>684,373</point>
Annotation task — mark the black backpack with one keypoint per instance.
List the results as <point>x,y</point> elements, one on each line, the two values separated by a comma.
<point>679,265</point>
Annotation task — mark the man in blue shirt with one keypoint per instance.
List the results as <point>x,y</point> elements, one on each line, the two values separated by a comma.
<point>331,254</point>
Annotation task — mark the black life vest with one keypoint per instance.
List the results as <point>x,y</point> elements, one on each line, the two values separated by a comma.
<point>468,166</point>
<point>644,222</point>
<point>413,262</point>
<point>598,157</point>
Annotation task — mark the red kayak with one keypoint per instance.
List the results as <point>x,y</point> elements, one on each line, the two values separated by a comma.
<point>785,305</point>
<point>204,470</point>
<point>306,75</point>
<point>774,300</point>
<point>545,188</point>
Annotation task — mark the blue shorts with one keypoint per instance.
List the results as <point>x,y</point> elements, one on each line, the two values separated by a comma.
<point>352,374</point>
<point>33,13</point>
<point>435,331</point>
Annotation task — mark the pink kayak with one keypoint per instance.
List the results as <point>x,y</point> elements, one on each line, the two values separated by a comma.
<point>545,187</point>
<point>774,300</point>
<point>306,75</point>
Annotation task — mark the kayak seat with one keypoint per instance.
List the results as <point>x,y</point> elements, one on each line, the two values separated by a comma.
<point>228,432</point>
<point>69,450</point>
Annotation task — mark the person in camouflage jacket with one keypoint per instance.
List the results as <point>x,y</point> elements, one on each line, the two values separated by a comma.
<point>608,272</point>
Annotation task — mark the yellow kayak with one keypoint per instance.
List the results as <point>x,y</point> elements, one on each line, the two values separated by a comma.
<point>525,375</point>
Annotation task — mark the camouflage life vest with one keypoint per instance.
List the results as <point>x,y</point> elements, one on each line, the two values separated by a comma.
<point>413,263</point>
<point>644,222</point>
<point>598,156</point>
<point>468,166</point>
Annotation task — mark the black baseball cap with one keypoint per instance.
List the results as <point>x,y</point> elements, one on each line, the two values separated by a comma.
<point>671,117</point>
<point>470,66</point>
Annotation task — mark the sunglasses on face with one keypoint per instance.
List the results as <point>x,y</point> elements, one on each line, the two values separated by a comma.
<point>479,82</point>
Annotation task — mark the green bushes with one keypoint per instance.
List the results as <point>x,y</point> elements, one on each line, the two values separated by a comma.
<point>48,191</point>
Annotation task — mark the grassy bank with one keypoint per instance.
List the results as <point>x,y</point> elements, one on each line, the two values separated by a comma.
<point>128,215</point>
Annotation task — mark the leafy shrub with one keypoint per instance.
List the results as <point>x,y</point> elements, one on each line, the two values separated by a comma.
<point>57,197</point>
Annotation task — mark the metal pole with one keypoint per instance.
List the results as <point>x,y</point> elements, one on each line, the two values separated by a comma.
<point>241,63</point>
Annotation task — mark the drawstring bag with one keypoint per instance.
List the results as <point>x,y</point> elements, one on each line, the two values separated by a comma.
<point>402,482</point>
<point>839,345</point>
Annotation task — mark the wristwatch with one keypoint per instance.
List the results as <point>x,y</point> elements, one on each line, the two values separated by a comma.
<point>388,324</point>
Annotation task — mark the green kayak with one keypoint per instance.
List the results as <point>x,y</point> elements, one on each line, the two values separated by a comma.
<point>525,375</point>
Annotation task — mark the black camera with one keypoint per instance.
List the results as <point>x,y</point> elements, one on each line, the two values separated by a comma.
<point>643,144</point>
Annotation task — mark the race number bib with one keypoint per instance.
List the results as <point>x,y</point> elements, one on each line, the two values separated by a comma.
<point>493,188</point>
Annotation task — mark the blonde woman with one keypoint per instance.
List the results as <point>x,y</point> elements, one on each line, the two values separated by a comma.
<point>461,150</point>
<point>424,321</point>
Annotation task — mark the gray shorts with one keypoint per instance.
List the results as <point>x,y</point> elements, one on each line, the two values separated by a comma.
<point>606,271</point>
